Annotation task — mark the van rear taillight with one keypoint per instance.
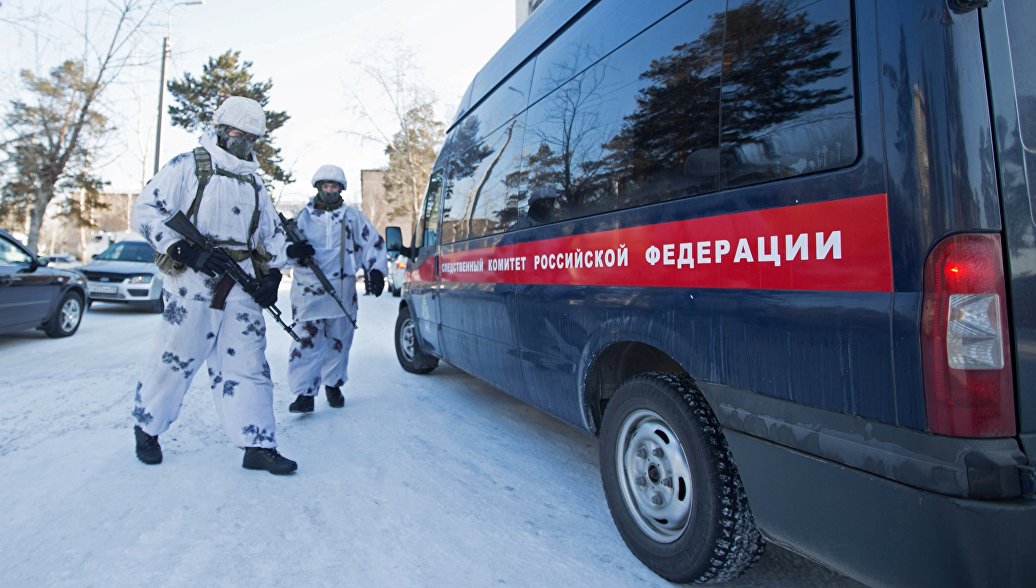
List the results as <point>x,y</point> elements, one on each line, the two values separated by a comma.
<point>969,390</point>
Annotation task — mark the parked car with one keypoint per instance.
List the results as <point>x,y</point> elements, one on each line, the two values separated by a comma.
<point>125,273</point>
<point>63,261</point>
<point>396,274</point>
<point>33,295</point>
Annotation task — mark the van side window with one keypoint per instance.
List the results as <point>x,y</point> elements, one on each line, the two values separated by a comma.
<point>708,98</point>
<point>592,37</point>
<point>509,99</point>
<point>1020,16</point>
<point>428,224</point>
<point>501,183</point>
<point>639,127</point>
<point>460,182</point>
<point>788,102</point>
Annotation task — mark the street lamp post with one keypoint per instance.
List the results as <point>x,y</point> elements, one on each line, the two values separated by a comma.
<point>161,82</point>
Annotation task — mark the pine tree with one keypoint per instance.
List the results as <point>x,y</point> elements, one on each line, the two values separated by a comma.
<point>196,100</point>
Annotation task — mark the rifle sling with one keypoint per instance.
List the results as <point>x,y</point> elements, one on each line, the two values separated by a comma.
<point>341,257</point>
<point>204,170</point>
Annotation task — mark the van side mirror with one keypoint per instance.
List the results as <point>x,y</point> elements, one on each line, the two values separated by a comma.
<point>394,242</point>
<point>394,239</point>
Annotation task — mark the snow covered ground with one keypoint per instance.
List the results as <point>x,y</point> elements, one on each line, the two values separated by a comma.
<point>434,480</point>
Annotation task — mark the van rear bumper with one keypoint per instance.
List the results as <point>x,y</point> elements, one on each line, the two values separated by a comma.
<point>983,469</point>
<point>879,531</point>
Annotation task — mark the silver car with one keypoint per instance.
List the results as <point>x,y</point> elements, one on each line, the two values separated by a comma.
<point>396,274</point>
<point>65,261</point>
<point>125,273</point>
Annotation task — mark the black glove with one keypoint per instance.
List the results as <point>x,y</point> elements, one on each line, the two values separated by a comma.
<point>266,295</point>
<point>301,250</point>
<point>197,258</point>
<point>375,282</point>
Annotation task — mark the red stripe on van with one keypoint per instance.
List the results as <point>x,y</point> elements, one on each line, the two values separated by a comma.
<point>841,245</point>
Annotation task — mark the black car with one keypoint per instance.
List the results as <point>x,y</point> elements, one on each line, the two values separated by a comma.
<point>33,295</point>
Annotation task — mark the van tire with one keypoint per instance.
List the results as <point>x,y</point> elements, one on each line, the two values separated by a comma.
<point>658,427</point>
<point>408,352</point>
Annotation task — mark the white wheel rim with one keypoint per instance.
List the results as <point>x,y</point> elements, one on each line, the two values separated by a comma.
<point>406,339</point>
<point>70,313</point>
<point>654,476</point>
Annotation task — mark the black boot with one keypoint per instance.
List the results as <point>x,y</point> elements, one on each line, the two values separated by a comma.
<point>267,458</point>
<point>148,449</point>
<point>302,404</point>
<point>334,396</point>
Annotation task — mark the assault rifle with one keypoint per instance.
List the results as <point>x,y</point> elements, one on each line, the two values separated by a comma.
<point>234,274</point>
<point>294,234</point>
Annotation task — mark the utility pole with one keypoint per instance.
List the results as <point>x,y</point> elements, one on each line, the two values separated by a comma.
<point>166,50</point>
<point>161,95</point>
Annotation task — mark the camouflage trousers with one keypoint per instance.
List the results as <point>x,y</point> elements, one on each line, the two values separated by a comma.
<point>232,344</point>
<point>322,357</point>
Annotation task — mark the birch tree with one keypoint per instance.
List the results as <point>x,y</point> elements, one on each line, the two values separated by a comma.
<point>411,148</point>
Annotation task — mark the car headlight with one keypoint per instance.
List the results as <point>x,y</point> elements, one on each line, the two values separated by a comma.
<point>140,279</point>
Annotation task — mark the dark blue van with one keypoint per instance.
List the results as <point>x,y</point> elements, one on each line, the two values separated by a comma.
<point>778,255</point>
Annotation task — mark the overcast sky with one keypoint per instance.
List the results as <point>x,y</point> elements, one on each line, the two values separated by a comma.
<point>306,47</point>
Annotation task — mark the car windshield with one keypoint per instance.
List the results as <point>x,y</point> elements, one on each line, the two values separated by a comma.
<point>128,251</point>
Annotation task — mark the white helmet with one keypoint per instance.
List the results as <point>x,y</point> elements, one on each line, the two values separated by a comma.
<point>241,113</point>
<point>329,173</point>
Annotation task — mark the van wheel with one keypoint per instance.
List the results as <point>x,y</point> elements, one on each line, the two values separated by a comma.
<point>396,292</point>
<point>671,484</point>
<point>409,354</point>
<point>66,318</point>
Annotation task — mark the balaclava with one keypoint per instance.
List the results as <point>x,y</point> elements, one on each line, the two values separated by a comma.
<point>239,147</point>
<point>327,200</point>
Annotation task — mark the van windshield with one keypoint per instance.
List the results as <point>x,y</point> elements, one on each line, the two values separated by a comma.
<point>1021,14</point>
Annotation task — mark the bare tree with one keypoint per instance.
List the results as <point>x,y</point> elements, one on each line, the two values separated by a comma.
<point>374,205</point>
<point>411,107</point>
<point>52,136</point>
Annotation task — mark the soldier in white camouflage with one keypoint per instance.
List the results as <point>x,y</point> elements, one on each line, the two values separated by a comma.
<point>217,187</point>
<point>345,242</point>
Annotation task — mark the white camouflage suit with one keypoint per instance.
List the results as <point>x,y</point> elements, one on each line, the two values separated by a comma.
<point>345,241</point>
<point>231,342</point>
